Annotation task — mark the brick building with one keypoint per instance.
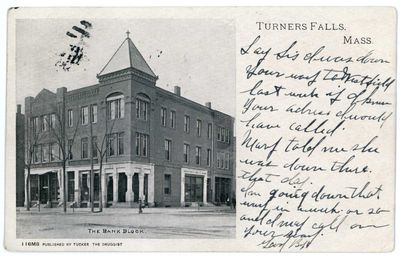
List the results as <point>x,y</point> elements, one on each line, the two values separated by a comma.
<point>20,157</point>
<point>158,146</point>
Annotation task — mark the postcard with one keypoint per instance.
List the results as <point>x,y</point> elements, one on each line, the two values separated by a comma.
<point>238,129</point>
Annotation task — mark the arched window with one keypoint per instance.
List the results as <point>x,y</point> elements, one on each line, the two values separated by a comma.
<point>115,106</point>
<point>142,106</point>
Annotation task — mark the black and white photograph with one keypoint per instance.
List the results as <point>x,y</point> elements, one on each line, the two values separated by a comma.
<point>201,129</point>
<point>125,128</point>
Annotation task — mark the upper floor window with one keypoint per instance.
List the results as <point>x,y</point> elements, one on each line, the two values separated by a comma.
<point>209,130</point>
<point>45,153</point>
<point>167,148</point>
<point>223,135</point>
<point>70,118</point>
<point>35,124</point>
<point>223,160</point>
<point>172,118</point>
<point>120,143</point>
<point>226,161</point>
<point>219,161</point>
<point>94,146</point>
<point>84,148</point>
<point>111,145</point>
<point>186,153</point>
<point>115,106</point>
<point>70,155</point>
<point>198,155</point>
<point>198,127</point>
<point>163,116</point>
<point>142,144</point>
<point>93,113</point>
<point>54,152</point>
<point>85,115</point>
<point>142,107</point>
<point>209,157</point>
<point>115,144</point>
<point>45,123</point>
<point>36,154</point>
<point>53,121</point>
<point>186,124</point>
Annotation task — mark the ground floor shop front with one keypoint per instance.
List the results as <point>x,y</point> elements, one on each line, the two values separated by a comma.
<point>125,185</point>
<point>188,186</point>
<point>118,185</point>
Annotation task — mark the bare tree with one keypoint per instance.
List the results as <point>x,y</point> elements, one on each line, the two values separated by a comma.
<point>58,130</point>
<point>60,135</point>
<point>102,153</point>
<point>31,143</point>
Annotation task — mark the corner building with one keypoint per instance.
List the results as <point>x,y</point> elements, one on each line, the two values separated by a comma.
<point>158,146</point>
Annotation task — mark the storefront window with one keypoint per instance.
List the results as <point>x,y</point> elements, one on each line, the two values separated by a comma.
<point>193,188</point>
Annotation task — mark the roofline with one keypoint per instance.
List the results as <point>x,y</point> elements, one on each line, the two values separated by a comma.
<point>80,89</point>
<point>129,41</point>
<point>145,62</point>
<point>191,101</point>
<point>160,89</point>
<point>113,57</point>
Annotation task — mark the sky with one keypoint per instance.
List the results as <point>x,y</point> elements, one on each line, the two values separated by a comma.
<point>197,55</point>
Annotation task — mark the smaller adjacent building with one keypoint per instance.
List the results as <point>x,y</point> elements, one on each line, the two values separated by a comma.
<point>20,157</point>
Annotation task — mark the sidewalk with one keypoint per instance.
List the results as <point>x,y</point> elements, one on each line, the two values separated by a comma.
<point>153,210</point>
<point>205,222</point>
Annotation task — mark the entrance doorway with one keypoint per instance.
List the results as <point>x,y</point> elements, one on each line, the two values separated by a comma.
<point>135,187</point>
<point>193,188</point>
<point>85,181</point>
<point>96,187</point>
<point>222,189</point>
<point>209,190</point>
<point>122,187</point>
<point>110,189</point>
<point>45,188</point>
<point>146,187</point>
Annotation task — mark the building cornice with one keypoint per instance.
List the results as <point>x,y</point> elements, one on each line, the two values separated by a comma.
<point>84,94</point>
<point>126,73</point>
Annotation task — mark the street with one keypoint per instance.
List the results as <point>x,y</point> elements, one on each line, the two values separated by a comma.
<point>202,223</point>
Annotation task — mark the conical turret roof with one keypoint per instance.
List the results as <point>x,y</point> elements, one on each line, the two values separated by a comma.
<point>127,56</point>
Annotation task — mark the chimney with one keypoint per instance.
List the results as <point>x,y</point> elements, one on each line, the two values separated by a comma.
<point>177,90</point>
<point>19,108</point>
<point>28,105</point>
<point>61,94</point>
<point>208,104</point>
